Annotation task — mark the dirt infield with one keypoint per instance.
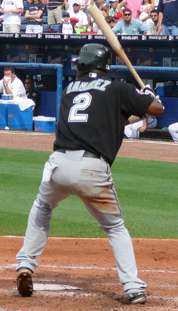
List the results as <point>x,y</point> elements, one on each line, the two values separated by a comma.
<point>79,274</point>
<point>149,150</point>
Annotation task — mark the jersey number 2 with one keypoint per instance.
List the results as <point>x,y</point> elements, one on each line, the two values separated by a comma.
<point>81,103</point>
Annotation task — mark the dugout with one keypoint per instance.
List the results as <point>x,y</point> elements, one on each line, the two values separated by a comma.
<point>48,80</point>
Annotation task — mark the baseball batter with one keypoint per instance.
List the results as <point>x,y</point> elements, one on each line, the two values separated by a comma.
<point>93,114</point>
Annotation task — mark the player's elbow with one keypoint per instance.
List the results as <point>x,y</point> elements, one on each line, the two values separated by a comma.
<point>156,107</point>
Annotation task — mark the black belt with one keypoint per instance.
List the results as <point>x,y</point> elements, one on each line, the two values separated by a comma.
<point>53,8</point>
<point>87,154</point>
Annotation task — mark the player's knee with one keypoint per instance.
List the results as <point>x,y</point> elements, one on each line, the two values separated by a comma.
<point>115,224</point>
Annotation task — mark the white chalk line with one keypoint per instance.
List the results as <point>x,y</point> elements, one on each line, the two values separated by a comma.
<point>9,132</point>
<point>87,267</point>
<point>158,142</point>
<point>92,239</point>
<point>49,292</point>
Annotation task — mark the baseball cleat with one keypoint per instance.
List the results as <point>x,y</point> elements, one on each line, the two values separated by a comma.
<point>24,282</point>
<point>135,298</point>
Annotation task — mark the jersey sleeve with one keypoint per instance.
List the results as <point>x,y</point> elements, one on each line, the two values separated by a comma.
<point>133,101</point>
<point>160,7</point>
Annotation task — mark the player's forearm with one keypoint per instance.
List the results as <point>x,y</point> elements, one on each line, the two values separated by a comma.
<point>35,15</point>
<point>156,108</point>
<point>160,22</point>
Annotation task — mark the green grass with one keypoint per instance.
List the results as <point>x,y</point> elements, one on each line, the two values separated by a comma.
<point>147,190</point>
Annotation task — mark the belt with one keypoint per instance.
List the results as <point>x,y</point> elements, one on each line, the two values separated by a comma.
<point>53,8</point>
<point>87,154</point>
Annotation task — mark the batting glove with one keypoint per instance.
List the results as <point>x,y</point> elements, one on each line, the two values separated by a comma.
<point>149,91</point>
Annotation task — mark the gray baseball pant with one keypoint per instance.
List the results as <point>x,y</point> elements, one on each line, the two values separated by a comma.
<point>90,179</point>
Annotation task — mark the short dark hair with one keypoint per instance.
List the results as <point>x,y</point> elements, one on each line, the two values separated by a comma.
<point>9,68</point>
<point>153,11</point>
<point>65,14</point>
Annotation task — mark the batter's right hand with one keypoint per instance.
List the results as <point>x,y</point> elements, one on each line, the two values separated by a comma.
<point>149,91</point>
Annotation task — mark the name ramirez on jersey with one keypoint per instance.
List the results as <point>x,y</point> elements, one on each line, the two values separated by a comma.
<point>79,86</point>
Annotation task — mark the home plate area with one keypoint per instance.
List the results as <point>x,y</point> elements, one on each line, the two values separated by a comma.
<point>80,275</point>
<point>58,290</point>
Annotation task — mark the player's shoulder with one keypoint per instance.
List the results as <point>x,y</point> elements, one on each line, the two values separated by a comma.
<point>118,82</point>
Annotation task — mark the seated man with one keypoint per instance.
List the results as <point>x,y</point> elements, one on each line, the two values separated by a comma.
<point>33,16</point>
<point>128,25</point>
<point>153,27</point>
<point>10,84</point>
<point>32,94</point>
<point>137,126</point>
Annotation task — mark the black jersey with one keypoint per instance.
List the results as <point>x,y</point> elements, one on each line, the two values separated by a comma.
<point>93,113</point>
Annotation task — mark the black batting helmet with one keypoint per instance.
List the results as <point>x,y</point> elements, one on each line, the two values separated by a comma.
<point>93,56</point>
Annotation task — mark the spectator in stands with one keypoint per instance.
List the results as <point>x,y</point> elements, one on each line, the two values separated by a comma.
<point>173,130</point>
<point>168,17</point>
<point>10,84</point>
<point>67,27</point>
<point>100,3</point>
<point>55,9</point>
<point>11,10</point>
<point>128,26</point>
<point>78,18</point>
<point>134,6</point>
<point>103,6</point>
<point>144,14</point>
<point>116,8</point>
<point>153,27</point>
<point>69,4</point>
<point>145,9</point>
<point>34,16</point>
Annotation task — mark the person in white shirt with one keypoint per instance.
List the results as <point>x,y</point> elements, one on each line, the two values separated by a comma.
<point>137,126</point>
<point>11,10</point>
<point>173,130</point>
<point>78,14</point>
<point>10,84</point>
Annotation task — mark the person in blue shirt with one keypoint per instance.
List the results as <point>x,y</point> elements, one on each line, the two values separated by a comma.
<point>168,17</point>
<point>128,25</point>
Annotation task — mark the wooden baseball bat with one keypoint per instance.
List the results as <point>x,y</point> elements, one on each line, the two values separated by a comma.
<point>112,39</point>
